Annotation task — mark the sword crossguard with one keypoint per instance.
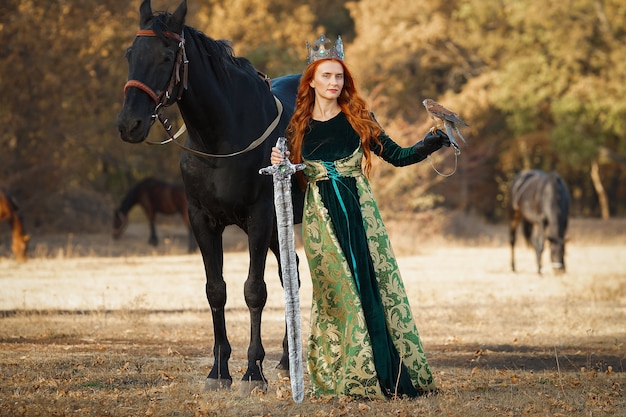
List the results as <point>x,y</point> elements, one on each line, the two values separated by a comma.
<point>285,169</point>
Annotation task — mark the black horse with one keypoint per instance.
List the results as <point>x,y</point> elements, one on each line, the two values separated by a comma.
<point>541,202</point>
<point>154,196</point>
<point>228,109</point>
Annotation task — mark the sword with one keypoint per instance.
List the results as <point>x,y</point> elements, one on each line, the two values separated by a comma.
<point>284,218</point>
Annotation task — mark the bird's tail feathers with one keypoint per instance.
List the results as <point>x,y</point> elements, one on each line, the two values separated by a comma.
<point>448,125</point>
<point>462,122</point>
<point>459,132</point>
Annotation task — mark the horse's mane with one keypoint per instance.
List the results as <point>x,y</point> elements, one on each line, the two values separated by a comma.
<point>13,203</point>
<point>219,53</point>
<point>10,200</point>
<point>130,199</point>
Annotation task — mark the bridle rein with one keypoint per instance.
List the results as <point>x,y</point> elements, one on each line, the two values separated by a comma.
<point>180,76</point>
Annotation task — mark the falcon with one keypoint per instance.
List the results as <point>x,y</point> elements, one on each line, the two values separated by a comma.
<point>448,118</point>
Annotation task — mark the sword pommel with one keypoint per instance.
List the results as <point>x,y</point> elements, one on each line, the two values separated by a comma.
<point>281,144</point>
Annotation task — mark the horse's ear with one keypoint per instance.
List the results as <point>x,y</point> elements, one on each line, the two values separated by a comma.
<point>177,20</point>
<point>145,14</point>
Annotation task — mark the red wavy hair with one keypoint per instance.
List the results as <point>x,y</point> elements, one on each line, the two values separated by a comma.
<point>351,104</point>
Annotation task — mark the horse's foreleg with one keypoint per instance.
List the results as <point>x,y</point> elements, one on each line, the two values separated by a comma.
<point>210,244</point>
<point>219,376</point>
<point>255,293</point>
<point>153,240</point>
<point>538,240</point>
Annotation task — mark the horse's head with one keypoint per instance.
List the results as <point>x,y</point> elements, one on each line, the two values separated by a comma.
<point>557,212</point>
<point>20,247</point>
<point>156,64</point>
<point>557,254</point>
<point>120,222</point>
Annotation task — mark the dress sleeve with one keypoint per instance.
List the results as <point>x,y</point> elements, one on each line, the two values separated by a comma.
<point>395,154</point>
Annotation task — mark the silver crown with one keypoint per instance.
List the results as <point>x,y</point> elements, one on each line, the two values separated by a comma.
<point>322,48</point>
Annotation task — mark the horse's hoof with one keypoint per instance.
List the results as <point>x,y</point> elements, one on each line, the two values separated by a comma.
<point>282,373</point>
<point>248,387</point>
<point>217,384</point>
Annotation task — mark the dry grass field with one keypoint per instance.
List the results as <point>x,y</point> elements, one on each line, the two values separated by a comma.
<point>92,327</point>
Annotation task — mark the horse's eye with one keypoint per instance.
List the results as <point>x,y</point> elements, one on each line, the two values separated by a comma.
<point>128,51</point>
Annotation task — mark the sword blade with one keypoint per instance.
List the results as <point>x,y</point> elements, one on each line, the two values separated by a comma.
<point>289,270</point>
<point>289,267</point>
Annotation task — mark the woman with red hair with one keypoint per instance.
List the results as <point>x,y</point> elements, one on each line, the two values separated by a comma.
<point>364,342</point>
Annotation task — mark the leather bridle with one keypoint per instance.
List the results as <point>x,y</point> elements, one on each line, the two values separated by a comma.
<point>179,74</point>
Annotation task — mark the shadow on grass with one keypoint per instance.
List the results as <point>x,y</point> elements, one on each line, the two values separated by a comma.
<point>589,355</point>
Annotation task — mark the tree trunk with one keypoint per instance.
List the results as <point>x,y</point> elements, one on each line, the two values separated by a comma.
<point>600,191</point>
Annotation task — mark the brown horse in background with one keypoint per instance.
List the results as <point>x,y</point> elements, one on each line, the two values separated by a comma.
<point>9,213</point>
<point>154,196</point>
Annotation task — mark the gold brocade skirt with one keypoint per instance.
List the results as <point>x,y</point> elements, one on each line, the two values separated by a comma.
<point>340,354</point>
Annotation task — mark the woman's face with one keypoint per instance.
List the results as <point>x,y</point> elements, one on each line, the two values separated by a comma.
<point>328,80</point>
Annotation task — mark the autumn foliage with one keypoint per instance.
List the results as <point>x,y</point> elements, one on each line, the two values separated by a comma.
<point>541,84</point>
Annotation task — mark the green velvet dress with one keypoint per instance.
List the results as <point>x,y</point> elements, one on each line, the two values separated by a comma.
<point>364,342</point>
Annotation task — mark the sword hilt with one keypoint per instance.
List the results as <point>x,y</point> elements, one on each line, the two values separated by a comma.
<point>285,168</point>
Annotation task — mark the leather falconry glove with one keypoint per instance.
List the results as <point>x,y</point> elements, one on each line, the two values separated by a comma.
<point>433,141</point>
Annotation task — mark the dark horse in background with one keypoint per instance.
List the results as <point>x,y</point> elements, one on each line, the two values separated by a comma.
<point>9,213</point>
<point>154,196</point>
<point>226,107</point>
<point>540,201</point>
